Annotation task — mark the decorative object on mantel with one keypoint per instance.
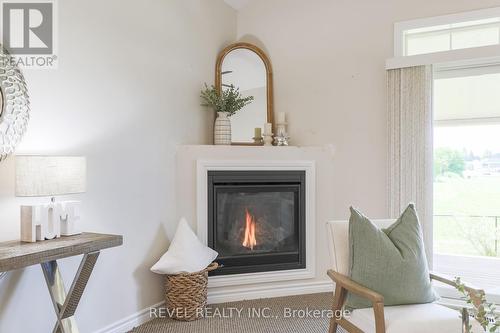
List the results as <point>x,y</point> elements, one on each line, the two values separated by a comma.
<point>222,129</point>
<point>268,134</point>
<point>14,104</point>
<point>247,67</point>
<point>186,265</point>
<point>40,176</point>
<point>258,140</point>
<point>281,138</point>
<point>226,103</point>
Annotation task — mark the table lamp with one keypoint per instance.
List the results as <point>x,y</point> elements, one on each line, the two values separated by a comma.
<point>49,176</point>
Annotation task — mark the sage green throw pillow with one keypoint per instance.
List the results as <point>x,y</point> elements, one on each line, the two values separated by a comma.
<point>389,261</point>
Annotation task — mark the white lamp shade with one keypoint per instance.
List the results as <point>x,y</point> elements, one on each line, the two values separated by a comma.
<point>50,175</point>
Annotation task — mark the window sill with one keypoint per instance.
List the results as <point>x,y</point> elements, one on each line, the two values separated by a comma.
<point>482,272</point>
<point>450,297</point>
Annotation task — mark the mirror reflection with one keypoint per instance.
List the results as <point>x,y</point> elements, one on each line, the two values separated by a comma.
<point>245,70</point>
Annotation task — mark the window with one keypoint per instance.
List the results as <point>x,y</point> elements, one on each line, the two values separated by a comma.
<point>466,139</point>
<point>446,33</point>
<point>466,223</point>
<point>452,37</point>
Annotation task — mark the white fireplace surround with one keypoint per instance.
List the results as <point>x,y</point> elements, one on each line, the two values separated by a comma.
<point>202,168</point>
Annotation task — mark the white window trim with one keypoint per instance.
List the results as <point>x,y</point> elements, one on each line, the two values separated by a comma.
<point>472,271</point>
<point>479,55</point>
<point>457,303</point>
<point>401,27</point>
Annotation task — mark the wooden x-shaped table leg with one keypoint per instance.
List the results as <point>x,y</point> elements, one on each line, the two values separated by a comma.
<point>65,304</point>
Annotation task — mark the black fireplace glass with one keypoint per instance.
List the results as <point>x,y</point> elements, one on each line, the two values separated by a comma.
<point>256,220</point>
<point>253,222</point>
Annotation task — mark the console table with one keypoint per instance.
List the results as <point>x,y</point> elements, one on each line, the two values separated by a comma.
<point>16,254</point>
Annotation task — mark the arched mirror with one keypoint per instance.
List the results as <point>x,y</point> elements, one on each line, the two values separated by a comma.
<point>247,67</point>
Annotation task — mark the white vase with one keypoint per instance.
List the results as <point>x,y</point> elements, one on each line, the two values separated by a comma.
<point>222,129</point>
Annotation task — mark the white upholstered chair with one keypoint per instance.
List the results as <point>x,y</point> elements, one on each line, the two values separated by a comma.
<point>415,318</point>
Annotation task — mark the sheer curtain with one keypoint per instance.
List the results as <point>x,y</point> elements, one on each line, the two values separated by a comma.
<point>410,144</point>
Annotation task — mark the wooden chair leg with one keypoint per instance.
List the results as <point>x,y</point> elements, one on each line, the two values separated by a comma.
<point>378,309</point>
<point>338,302</point>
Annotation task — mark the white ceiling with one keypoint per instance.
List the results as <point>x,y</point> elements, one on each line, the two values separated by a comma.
<point>237,4</point>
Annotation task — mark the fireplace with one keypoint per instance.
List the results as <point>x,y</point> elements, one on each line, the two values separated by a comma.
<point>256,220</point>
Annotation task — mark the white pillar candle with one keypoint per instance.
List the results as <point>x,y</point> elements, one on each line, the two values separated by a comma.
<point>268,129</point>
<point>281,118</point>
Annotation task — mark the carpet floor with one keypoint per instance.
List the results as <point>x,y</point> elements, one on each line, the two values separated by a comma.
<point>270,315</point>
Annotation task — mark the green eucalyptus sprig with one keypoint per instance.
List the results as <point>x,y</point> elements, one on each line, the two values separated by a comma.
<point>229,100</point>
<point>484,312</point>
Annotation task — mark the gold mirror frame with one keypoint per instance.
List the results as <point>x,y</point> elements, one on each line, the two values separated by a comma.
<point>269,78</point>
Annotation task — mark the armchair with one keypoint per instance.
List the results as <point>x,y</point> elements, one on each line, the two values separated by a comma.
<point>413,318</point>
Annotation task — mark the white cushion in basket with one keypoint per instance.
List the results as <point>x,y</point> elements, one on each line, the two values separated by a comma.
<point>186,253</point>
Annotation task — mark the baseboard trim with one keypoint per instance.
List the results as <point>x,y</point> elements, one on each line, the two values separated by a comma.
<point>220,296</point>
<point>128,323</point>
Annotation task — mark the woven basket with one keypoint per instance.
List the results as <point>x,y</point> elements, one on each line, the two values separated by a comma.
<point>186,294</point>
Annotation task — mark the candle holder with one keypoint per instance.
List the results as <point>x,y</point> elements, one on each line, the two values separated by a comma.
<point>268,139</point>
<point>281,138</point>
<point>258,141</point>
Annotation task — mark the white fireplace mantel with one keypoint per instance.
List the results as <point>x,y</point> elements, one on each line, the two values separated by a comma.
<point>205,165</point>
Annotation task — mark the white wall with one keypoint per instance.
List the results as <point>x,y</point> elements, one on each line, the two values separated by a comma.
<point>328,60</point>
<point>125,95</point>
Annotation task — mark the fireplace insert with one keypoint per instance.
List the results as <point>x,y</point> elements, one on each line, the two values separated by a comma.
<point>256,220</point>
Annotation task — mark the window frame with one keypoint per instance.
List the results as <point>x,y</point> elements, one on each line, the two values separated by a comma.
<point>471,266</point>
<point>463,58</point>
<point>401,27</point>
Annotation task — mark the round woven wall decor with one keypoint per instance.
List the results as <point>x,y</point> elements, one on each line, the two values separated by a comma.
<point>14,105</point>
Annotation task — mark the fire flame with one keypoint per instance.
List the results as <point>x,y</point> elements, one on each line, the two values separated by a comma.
<point>249,241</point>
